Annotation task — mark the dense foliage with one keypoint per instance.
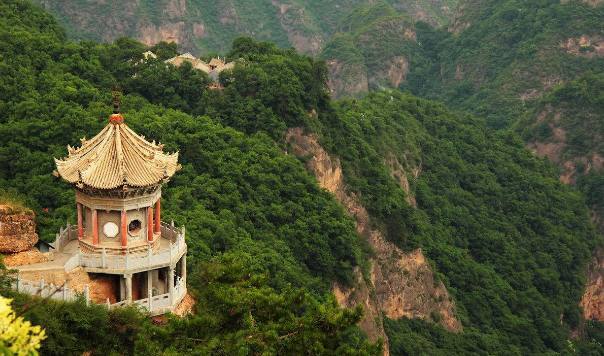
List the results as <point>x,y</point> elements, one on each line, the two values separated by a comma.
<point>254,215</point>
<point>510,241</point>
<point>208,26</point>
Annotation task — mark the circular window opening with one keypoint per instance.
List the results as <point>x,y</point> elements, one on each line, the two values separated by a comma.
<point>134,228</point>
<point>110,229</point>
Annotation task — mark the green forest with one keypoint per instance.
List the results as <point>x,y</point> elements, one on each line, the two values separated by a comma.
<point>266,243</point>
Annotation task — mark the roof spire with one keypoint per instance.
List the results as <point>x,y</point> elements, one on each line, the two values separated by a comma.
<point>116,100</point>
<point>116,117</point>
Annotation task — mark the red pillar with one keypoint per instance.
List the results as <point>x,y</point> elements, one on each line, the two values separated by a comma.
<point>158,216</point>
<point>124,229</point>
<point>149,224</point>
<point>80,224</point>
<point>95,228</point>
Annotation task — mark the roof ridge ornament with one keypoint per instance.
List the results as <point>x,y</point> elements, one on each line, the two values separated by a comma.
<point>117,158</point>
<point>116,118</point>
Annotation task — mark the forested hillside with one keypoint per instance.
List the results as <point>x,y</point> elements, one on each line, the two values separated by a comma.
<point>266,244</point>
<point>203,25</point>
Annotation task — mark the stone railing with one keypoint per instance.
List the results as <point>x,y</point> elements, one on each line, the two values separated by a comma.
<point>150,259</point>
<point>64,236</point>
<point>44,290</point>
<point>158,304</point>
<point>171,232</point>
<point>72,263</point>
<point>86,247</point>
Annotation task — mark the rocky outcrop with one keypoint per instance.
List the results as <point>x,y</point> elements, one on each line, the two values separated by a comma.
<point>361,294</point>
<point>404,283</point>
<point>397,171</point>
<point>347,79</point>
<point>185,307</point>
<point>584,46</point>
<point>150,34</point>
<point>592,302</point>
<point>26,258</point>
<point>17,230</point>
<point>294,21</point>
<point>391,74</point>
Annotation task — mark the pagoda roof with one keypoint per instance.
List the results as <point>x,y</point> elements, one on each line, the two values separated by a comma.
<point>117,157</point>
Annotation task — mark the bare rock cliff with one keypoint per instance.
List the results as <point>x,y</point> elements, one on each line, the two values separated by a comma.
<point>347,79</point>
<point>404,283</point>
<point>17,230</point>
<point>593,298</point>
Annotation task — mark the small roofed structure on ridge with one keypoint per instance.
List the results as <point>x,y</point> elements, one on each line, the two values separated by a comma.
<point>119,240</point>
<point>213,68</point>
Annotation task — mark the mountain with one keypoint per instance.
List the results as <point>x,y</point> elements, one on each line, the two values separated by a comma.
<point>203,26</point>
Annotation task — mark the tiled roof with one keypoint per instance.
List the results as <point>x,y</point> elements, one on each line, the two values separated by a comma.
<point>117,157</point>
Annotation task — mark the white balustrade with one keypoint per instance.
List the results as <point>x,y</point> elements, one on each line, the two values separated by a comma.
<point>42,289</point>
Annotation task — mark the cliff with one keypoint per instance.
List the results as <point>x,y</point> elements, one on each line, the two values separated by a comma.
<point>198,25</point>
<point>402,283</point>
<point>17,229</point>
<point>592,302</point>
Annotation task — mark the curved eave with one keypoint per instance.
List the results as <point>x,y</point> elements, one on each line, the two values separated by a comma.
<point>117,157</point>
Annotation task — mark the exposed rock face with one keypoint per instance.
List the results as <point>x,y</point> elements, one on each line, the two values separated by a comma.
<point>556,145</point>
<point>404,283</point>
<point>347,79</point>
<point>152,34</point>
<point>293,20</point>
<point>392,73</point>
<point>593,298</point>
<point>360,294</point>
<point>584,46</point>
<point>185,307</point>
<point>17,230</point>
<point>26,258</point>
<point>397,171</point>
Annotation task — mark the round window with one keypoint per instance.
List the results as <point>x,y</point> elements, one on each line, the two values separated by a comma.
<point>134,228</point>
<point>110,229</point>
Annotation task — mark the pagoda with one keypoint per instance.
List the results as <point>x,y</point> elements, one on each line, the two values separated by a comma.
<point>119,239</point>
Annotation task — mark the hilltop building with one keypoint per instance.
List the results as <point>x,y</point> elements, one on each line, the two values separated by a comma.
<point>120,242</point>
<point>213,68</point>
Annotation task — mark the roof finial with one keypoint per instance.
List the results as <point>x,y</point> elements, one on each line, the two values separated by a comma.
<point>116,117</point>
<point>116,100</point>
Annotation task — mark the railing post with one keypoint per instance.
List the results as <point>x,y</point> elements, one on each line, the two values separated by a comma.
<point>149,290</point>
<point>18,282</point>
<point>65,292</point>
<point>171,284</point>
<point>104,258</point>
<point>41,286</point>
<point>128,278</point>
<point>87,294</point>
<point>108,304</point>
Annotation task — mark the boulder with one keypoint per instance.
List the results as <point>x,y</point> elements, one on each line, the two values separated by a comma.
<point>17,230</point>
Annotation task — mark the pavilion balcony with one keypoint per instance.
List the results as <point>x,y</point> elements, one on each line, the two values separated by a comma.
<point>166,249</point>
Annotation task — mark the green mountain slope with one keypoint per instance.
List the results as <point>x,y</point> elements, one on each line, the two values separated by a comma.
<point>501,230</point>
<point>202,25</point>
<point>263,240</point>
